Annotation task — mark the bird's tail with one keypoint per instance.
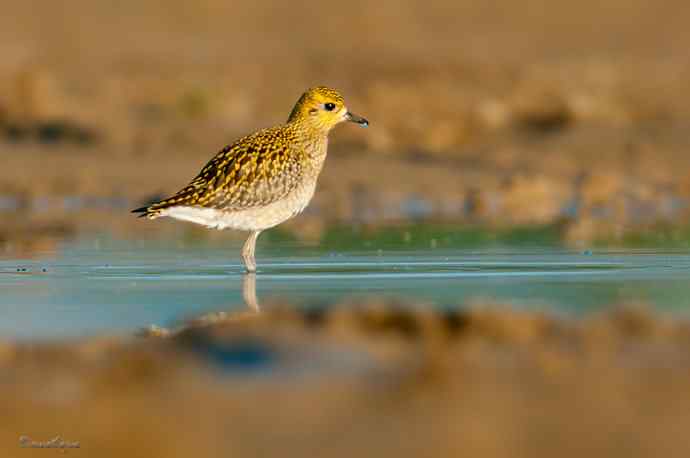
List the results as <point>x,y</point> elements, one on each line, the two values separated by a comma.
<point>153,210</point>
<point>147,212</point>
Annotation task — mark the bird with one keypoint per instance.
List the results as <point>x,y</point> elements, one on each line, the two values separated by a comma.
<point>264,178</point>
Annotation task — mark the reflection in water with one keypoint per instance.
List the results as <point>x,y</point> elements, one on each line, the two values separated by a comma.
<point>91,289</point>
<point>249,291</point>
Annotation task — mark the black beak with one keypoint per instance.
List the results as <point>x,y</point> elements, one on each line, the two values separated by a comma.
<point>356,119</point>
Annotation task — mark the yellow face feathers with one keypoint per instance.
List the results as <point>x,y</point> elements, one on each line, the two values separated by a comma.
<point>323,108</point>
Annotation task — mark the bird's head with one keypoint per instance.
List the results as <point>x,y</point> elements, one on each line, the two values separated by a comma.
<point>323,108</point>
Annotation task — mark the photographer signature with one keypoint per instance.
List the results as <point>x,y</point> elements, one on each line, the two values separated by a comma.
<point>56,442</point>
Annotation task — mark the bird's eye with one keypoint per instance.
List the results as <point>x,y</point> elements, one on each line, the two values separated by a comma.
<point>329,106</point>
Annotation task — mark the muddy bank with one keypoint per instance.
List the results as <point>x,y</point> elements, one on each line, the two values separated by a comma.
<point>92,191</point>
<point>380,379</point>
<point>483,113</point>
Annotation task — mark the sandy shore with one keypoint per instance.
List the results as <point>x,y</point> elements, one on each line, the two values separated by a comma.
<point>361,380</point>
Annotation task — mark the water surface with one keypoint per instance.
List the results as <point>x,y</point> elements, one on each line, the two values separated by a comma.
<point>95,286</point>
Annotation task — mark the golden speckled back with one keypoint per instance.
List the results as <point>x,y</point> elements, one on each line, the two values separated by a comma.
<point>254,171</point>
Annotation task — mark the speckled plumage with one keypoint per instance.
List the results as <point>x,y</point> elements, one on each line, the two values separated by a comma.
<point>264,178</point>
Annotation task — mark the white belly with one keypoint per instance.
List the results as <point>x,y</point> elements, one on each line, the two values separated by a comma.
<point>253,219</point>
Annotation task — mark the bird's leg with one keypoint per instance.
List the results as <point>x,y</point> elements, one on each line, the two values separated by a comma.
<point>248,251</point>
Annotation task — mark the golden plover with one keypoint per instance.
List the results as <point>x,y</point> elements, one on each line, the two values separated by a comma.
<point>264,178</point>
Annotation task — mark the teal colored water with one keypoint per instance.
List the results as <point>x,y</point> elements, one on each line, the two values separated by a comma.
<point>91,287</point>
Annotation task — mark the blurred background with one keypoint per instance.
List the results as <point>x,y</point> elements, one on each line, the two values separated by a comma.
<point>522,187</point>
<point>568,117</point>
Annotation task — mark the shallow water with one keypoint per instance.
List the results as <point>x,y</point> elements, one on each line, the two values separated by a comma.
<point>90,287</point>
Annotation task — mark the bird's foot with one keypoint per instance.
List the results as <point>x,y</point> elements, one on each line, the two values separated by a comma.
<point>250,264</point>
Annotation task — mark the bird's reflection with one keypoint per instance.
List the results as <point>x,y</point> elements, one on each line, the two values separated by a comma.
<point>249,292</point>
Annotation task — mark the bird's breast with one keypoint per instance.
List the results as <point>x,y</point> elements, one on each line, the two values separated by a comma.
<point>267,216</point>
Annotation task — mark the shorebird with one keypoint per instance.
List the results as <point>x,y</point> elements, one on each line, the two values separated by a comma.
<point>262,179</point>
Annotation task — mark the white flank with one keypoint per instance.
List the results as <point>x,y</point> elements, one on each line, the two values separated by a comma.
<point>204,216</point>
<point>250,219</point>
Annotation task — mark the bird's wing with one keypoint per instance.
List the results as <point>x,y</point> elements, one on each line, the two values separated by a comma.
<point>254,171</point>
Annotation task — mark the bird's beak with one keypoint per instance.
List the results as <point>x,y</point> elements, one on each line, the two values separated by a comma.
<point>356,119</point>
